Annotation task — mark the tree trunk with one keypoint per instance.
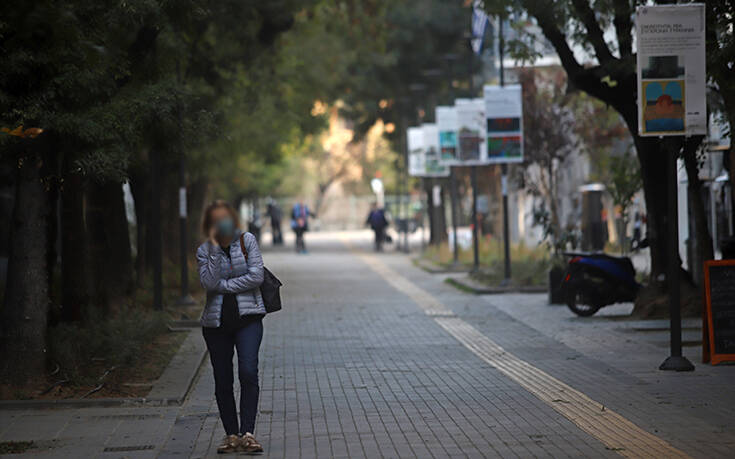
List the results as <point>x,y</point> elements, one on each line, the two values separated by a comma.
<point>197,198</point>
<point>437,216</point>
<point>703,239</point>
<point>74,273</point>
<point>109,243</point>
<point>25,308</point>
<point>140,188</point>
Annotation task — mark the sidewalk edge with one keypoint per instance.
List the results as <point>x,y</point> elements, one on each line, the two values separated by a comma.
<point>186,362</point>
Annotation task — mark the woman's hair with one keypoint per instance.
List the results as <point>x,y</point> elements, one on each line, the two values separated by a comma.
<point>217,204</point>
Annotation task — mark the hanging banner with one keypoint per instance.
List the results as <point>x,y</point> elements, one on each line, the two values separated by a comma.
<point>416,153</point>
<point>504,128</point>
<point>432,165</point>
<point>471,128</point>
<point>446,121</point>
<point>671,70</point>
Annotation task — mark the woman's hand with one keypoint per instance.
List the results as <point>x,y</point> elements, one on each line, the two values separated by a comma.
<point>212,237</point>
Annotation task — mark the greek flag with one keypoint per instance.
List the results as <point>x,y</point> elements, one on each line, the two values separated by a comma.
<point>479,23</point>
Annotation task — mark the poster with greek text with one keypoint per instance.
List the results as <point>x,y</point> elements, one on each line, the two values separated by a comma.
<point>504,117</point>
<point>671,70</point>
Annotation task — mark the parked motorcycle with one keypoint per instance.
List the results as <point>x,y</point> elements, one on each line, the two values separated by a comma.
<point>595,280</point>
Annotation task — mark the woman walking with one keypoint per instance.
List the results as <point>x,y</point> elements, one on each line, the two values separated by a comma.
<point>231,270</point>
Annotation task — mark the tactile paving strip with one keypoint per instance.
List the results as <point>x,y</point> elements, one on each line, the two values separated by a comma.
<point>613,430</point>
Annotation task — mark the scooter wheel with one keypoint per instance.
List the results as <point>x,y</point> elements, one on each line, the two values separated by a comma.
<point>576,303</point>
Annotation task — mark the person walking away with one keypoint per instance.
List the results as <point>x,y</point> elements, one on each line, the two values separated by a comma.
<point>275,214</point>
<point>232,320</point>
<point>300,224</point>
<point>377,221</point>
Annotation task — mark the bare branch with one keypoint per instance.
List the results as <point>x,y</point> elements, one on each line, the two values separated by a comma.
<point>544,12</point>
<point>623,27</point>
<point>594,32</point>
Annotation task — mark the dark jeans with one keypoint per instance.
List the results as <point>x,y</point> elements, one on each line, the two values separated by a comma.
<point>379,238</point>
<point>221,343</point>
<point>300,244</point>
<point>276,230</point>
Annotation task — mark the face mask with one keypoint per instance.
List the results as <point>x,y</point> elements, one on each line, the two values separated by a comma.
<point>225,228</point>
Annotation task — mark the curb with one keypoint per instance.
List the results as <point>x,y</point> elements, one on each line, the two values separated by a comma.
<point>434,268</point>
<point>471,287</point>
<point>170,389</point>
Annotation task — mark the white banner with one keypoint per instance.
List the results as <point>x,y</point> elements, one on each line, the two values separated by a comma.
<point>504,124</point>
<point>671,70</point>
<point>432,166</point>
<point>446,121</point>
<point>471,128</point>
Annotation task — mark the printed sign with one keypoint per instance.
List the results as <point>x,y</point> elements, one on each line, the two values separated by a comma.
<point>471,127</point>
<point>423,152</point>
<point>504,114</point>
<point>719,312</point>
<point>671,70</point>
<point>446,121</point>
<point>416,154</point>
<point>432,164</point>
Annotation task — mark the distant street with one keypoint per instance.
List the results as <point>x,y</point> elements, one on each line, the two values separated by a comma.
<point>373,357</point>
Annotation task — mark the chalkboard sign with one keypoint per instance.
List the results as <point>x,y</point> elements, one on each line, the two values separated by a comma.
<point>719,312</point>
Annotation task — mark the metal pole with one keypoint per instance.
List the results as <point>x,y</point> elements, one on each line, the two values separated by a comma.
<point>405,201</point>
<point>506,231</point>
<point>157,240</point>
<point>453,181</point>
<point>453,193</point>
<point>676,361</point>
<point>504,167</point>
<point>475,233</point>
<point>473,178</point>
<point>186,298</point>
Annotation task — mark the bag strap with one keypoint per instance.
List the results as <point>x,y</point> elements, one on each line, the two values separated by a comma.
<point>242,246</point>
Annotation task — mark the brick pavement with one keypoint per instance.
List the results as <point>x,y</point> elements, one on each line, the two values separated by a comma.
<point>354,368</point>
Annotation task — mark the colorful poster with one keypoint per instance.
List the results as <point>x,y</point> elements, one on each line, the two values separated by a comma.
<point>432,155</point>
<point>416,153</point>
<point>471,127</point>
<point>504,123</point>
<point>446,121</point>
<point>671,70</point>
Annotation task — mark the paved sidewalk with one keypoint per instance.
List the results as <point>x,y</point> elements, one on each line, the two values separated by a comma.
<point>373,357</point>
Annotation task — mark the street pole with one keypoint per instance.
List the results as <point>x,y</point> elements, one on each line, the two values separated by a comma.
<point>506,231</point>
<point>504,168</point>
<point>452,171</point>
<point>157,239</point>
<point>403,201</point>
<point>186,298</point>
<point>453,193</point>
<point>475,234</point>
<point>473,178</point>
<point>676,361</point>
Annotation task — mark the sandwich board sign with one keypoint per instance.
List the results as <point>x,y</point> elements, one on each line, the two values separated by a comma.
<point>719,312</point>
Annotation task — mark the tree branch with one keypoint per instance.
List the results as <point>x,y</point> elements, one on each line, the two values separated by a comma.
<point>594,32</point>
<point>544,12</point>
<point>623,27</point>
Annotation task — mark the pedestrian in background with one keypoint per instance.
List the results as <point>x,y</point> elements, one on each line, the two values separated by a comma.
<point>256,222</point>
<point>378,222</point>
<point>300,224</point>
<point>275,214</point>
<point>231,270</point>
